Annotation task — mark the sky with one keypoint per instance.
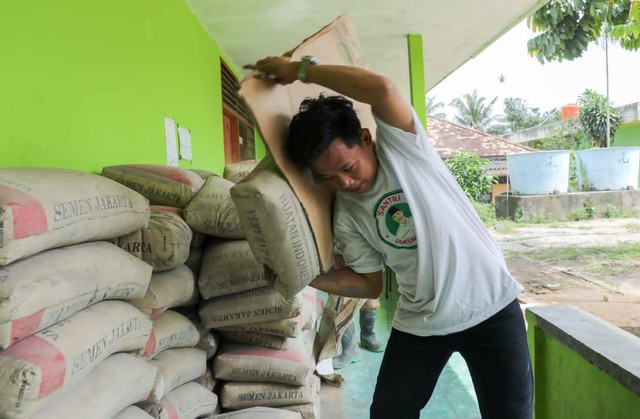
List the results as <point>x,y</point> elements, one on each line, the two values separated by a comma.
<point>544,86</point>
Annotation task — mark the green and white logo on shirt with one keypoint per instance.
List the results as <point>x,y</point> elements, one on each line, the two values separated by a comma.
<point>395,222</point>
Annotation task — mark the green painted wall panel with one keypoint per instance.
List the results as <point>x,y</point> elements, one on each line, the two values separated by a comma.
<point>568,386</point>
<point>86,84</point>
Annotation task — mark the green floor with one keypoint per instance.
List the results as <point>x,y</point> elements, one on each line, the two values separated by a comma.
<point>453,397</point>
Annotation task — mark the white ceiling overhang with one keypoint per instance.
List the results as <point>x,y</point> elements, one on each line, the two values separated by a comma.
<point>453,31</point>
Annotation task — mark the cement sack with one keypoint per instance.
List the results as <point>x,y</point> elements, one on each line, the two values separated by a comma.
<point>277,230</point>
<point>63,354</point>
<point>161,185</point>
<point>189,401</point>
<point>132,412</point>
<point>209,342</point>
<point>176,367</point>
<point>228,267</point>
<point>240,395</point>
<point>260,304</point>
<point>241,362</point>
<point>43,208</point>
<point>170,330</point>
<point>194,260</point>
<point>168,289</point>
<point>282,328</point>
<point>117,382</point>
<point>164,243</point>
<point>291,327</point>
<point>212,212</point>
<point>43,289</point>
<point>236,172</point>
<point>207,380</point>
<point>307,410</point>
<point>256,339</point>
<point>204,174</point>
<point>260,413</point>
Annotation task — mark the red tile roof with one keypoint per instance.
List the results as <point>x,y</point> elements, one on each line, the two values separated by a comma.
<point>449,138</point>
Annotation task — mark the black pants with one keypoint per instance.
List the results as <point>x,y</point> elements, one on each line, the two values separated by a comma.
<point>495,351</point>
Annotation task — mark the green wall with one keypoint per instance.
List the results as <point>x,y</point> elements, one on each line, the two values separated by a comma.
<point>87,84</point>
<point>627,135</point>
<point>569,386</point>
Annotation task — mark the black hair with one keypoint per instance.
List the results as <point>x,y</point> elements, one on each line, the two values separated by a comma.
<point>393,210</point>
<point>318,123</point>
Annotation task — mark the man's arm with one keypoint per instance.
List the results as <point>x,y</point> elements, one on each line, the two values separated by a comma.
<point>347,283</point>
<point>357,83</point>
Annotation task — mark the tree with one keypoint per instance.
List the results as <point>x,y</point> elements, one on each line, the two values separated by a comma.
<point>593,118</point>
<point>519,116</point>
<point>433,107</point>
<point>472,111</point>
<point>471,173</point>
<point>567,27</point>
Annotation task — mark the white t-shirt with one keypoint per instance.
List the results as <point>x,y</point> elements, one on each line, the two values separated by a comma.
<point>450,272</point>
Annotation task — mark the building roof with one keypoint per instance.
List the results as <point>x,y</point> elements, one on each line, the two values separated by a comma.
<point>449,138</point>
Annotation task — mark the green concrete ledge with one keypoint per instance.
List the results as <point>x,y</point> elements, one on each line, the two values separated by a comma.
<point>609,348</point>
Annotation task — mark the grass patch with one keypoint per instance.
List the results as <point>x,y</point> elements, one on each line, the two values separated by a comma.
<point>633,227</point>
<point>621,252</point>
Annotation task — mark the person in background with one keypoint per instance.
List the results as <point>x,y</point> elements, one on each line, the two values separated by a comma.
<point>350,351</point>
<point>456,293</point>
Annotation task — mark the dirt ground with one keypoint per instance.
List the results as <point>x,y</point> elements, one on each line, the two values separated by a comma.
<point>601,285</point>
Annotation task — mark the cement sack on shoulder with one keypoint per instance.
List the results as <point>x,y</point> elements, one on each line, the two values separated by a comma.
<point>249,363</point>
<point>307,410</point>
<point>207,380</point>
<point>168,289</point>
<point>260,413</point>
<point>63,354</point>
<point>176,367</point>
<point>115,383</point>
<point>161,185</point>
<point>212,212</point>
<point>43,289</point>
<point>240,395</point>
<point>132,412</point>
<point>228,267</point>
<point>209,342</point>
<point>164,243</point>
<point>194,260</point>
<point>189,401</point>
<point>260,304</point>
<point>277,230</point>
<point>236,172</point>
<point>44,208</point>
<point>170,330</point>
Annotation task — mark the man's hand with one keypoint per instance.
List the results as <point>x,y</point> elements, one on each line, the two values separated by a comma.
<point>279,69</point>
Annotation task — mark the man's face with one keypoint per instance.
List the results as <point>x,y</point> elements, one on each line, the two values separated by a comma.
<point>348,169</point>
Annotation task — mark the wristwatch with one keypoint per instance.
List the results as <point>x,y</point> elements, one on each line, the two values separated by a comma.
<point>305,62</point>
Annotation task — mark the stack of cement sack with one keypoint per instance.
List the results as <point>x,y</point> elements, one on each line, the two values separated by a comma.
<point>178,347</point>
<point>65,324</point>
<point>267,332</point>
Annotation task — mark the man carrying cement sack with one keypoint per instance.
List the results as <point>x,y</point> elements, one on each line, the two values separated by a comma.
<point>456,293</point>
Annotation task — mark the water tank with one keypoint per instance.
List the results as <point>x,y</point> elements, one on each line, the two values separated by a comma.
<point>539,172</point>
<point>602,169</point>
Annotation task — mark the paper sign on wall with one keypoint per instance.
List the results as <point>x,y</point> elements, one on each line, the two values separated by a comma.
<point>184,135</point>
<point>171,141</point>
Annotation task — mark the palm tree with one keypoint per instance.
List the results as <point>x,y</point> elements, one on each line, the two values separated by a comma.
<point>472,111</point>
<point>433,107</point>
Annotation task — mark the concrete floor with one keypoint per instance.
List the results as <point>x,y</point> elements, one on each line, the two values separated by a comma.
<point>453,398</point>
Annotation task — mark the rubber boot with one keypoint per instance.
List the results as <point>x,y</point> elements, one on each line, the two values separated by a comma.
<point>350,351</point>
<point>367,336</point>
